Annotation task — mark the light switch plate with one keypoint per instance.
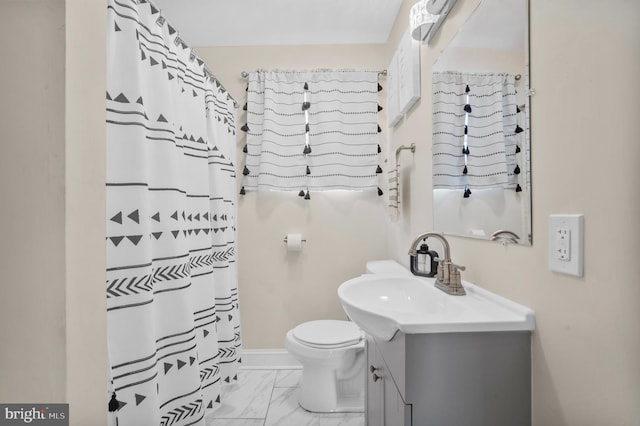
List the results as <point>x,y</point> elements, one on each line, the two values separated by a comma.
<point>566,251</point>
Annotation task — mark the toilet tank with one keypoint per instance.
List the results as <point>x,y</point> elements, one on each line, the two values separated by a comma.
<point>386,267</point>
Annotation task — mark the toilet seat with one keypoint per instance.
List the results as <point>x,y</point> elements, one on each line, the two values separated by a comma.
<point>327,334</point>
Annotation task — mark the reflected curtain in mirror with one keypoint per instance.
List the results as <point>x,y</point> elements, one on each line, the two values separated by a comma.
<point>475,131</point>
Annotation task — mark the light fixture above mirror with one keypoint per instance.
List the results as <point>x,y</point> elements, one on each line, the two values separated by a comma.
<point>426,17</point>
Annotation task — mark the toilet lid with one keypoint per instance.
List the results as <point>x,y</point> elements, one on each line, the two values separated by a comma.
<point>328,333</point>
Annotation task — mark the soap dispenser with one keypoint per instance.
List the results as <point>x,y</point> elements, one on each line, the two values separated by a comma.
<point>424,263</point>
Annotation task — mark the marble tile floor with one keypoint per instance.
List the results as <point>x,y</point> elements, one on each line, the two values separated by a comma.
<point>269,398</point>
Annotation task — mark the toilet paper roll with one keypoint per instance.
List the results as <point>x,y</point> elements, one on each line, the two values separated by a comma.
<point>294,242</point>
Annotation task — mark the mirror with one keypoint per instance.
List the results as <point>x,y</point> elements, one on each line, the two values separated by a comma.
<point>492,41</point>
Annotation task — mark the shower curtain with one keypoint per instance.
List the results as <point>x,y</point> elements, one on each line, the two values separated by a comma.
<point>172,302</point>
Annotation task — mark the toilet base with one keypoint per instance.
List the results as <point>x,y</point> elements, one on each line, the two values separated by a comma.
<point>348,405</point>
<point>321,392</point>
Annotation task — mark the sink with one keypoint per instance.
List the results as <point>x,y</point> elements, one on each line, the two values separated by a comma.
<point>383,305</point>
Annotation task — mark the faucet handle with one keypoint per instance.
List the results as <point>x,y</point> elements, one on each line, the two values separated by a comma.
<point>458,267</point>
<point>456,280</point>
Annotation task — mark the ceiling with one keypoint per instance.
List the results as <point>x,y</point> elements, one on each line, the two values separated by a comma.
<point>280,22</point>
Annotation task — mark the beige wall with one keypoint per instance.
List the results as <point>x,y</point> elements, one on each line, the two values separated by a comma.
<point>52,304</point>
<point>32,287</point>
<point>280,289</point>
<point>584,63</point>
<point>85,156</point>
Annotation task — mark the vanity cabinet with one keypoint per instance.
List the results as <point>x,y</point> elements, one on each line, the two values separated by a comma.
<point>449,379</point>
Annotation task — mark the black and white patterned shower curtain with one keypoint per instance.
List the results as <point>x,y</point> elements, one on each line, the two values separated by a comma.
<point>172,303</point>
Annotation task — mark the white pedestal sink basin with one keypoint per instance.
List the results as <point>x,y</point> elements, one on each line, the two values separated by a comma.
<point>384,305</point>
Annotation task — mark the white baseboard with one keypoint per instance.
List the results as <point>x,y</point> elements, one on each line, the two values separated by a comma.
<point>272,359</point>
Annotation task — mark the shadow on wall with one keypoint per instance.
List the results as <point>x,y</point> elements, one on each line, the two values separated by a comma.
<point>544,393</point>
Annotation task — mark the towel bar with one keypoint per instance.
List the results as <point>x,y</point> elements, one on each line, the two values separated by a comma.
<point>394,199</point>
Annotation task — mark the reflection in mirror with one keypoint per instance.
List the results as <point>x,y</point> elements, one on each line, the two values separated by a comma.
<point>481,138</point>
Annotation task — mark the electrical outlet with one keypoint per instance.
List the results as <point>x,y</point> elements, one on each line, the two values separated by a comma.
<point>566,244</point>
<point>563,243</point>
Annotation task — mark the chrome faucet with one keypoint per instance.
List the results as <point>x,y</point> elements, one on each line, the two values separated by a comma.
<point>448,276</point>
<point>505,236</point>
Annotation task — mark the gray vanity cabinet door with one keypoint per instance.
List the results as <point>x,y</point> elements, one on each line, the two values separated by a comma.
<point>384,404</point>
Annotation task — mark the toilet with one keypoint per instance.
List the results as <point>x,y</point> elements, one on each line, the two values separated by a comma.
<point>332,356</point>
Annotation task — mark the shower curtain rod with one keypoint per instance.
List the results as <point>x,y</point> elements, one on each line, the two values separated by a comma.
<point>213,77</point>
<point>192,55</point>
<point>245,74</point>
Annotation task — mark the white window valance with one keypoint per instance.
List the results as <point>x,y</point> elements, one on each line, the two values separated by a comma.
<point>312,131</point>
